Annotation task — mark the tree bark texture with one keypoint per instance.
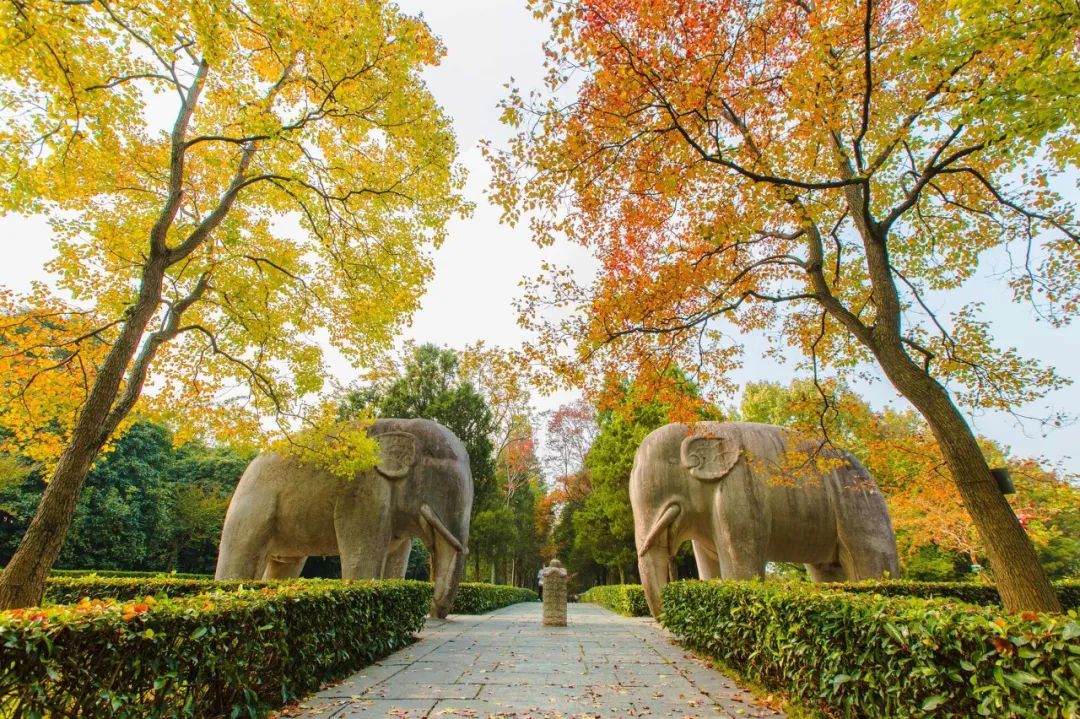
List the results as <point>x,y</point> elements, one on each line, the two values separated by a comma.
<point>23,582</point>
<point>1020,578</point>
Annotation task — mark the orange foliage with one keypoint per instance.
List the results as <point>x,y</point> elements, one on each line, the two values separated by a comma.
<point>49,355</point>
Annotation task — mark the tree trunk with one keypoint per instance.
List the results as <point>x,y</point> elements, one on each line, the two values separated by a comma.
<point>1021,581</point>
<point>23,581</point>
<point>622,575</point>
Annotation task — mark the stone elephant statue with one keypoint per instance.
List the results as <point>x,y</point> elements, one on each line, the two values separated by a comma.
<point>285,509</point>
<point>744,498</point>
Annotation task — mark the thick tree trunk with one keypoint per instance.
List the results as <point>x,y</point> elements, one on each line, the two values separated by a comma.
<point>1020,578</point>
<point>23,581</point>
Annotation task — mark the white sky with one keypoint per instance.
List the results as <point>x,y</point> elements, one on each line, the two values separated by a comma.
<point>480,265</point>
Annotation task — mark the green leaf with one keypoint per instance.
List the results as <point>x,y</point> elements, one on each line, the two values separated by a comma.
<point>933,702</point>
<point>1020,678</point>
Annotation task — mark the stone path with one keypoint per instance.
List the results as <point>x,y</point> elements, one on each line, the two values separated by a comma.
<point>505,664</point>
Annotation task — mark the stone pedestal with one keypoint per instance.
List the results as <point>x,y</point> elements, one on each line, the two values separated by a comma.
<point>555,581</point>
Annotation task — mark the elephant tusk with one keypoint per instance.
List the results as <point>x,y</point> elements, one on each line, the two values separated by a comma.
<point>669,515</point>
<point>433,519</point>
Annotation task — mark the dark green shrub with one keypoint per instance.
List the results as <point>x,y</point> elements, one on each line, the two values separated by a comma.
<point>68,590</point>
<point>625,599</point>
<point>1069,593</point>
<point>125,573</point>
<point>1068,590</point>
<point>218,654</point>
<point>478,598</point>
<point>867,655</point>
<point>472,598</point>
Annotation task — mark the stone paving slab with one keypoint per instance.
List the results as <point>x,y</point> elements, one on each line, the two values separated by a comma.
<point>507,665</point>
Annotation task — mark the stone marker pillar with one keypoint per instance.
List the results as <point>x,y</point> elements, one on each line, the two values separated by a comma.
<point>555,581</point>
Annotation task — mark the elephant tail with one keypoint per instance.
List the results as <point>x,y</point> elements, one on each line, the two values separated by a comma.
<point>661,525</point>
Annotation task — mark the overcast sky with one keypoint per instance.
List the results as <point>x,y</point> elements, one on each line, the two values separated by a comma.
<point>480,265</point>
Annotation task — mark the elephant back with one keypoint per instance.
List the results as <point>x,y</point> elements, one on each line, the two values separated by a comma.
<point>437,441</point>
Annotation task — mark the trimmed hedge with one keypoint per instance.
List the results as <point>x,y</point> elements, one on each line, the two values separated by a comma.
<point>625,599</point>
<point>220,654</point>
<point>68,590</point>
<point>1068,590</point>
<point>472,598</point>
<point>629,599</point>
<point>866,655</point>
<point>478,598</point>
<point>125,573</point>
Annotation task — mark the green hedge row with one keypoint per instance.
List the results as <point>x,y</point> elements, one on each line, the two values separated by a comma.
<point>223,654</point>
<point>625,599</point>
<point>472,598</point>
<point>478,598</point>
<point>68,590</point>
<point>124,573</point>
<point>866,655</point>
<point>1068,590</point>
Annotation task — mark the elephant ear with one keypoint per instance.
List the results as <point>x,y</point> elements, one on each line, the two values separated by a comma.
<point>397,454</point>
<point>709,458</point>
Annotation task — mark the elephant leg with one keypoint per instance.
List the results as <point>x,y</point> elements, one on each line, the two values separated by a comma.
<point>397,559</point>
<point>826,572</point>
<point>283,567</point>
<point>708,564</point>
<point>863,528</point>
<point>736,564</point>
<point>362,525</point>
<point>244,541</point>
<point>364,558</point>
<point>868,561</point>
<point>741,525</point>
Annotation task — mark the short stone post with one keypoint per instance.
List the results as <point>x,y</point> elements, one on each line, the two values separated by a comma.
<point>555,581</point>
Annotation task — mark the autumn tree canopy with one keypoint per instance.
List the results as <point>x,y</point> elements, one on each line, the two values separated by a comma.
<point>819,172</point>
<point>228,184</point>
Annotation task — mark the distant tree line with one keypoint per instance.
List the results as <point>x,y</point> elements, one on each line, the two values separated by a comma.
<point>146,505</point>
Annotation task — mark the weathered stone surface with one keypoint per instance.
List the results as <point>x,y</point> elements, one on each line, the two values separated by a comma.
<point>555,580</point>
<point>506,664</point>
<point>747,494</point>
<point>285,509</point>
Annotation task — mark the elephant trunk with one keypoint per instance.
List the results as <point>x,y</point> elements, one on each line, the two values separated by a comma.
<point>654,557</point>
<point>447,564</point>
<point>653,566</point>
